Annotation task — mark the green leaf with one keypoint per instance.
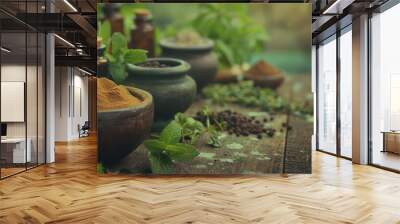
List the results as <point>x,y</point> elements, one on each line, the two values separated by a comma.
<point>135,56</point>
<point>172,133</point>
<point>117,71</point>
<point>118,43</point>
<point>110,58</point>
<point>100,168</point>
<point>235,146</point>
<point>181,152</point>
<point>154,146</point>
<point>214,140</point>
<point>105,31</point>
<point>226,52</point>
<point>207,155</point>
<point>161,164</point>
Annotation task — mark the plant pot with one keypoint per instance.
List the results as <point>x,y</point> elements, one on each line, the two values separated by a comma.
<point>172,89</point>
<point>204,63</point>
<point>120,131</point>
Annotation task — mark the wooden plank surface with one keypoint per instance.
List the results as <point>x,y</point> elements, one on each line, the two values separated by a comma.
<point>70,191</point>
<point>258,156</point>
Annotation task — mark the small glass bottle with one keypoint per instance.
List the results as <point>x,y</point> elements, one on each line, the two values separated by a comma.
<point>111,14</point>
<point>142,36</point>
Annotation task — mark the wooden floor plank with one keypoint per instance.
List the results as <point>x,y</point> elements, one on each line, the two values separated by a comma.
<point>70,191</point>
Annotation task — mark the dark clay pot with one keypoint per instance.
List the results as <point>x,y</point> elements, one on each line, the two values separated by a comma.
<point>120,131</point>
<point>172,89</point>
<point>203,61</point>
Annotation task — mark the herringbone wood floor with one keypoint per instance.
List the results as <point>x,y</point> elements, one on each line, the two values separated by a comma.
<point>70,191</point>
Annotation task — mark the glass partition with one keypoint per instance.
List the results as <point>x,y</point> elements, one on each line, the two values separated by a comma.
<point>385,89</point>
<point>346,93</point>
<point>14,153</point>
<point>41,97</point>
<point>327,96</point>
<point>32,98</point>
<point>22,91</point>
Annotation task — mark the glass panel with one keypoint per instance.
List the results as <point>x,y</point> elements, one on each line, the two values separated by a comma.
<point>23,89</point>
<point>33,42</point>
<point>41,99</point>
<point>13,86</point>
<point>346,94</point>
<point>314,82</point>
<point>327,96</point>
<point>385,114</point>
<point>31,98</point>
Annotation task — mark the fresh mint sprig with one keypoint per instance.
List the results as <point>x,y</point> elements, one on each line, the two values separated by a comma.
<point>167,149</point>
<point>121,55</point>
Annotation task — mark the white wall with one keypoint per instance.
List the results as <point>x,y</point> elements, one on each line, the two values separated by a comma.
<point>61,103</point>
<point>16,72</point>
<point>71,94</point>
<point>33,127</point>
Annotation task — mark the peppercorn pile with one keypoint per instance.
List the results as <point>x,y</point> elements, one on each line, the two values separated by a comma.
<point>237,124</point>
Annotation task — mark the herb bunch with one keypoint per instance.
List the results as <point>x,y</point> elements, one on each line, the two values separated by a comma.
<point>117,52</point>
<point>236,35</point>
<point>168,149</point>
<point>246,94</point>
<point>120,56</point>
<point>176,142</point>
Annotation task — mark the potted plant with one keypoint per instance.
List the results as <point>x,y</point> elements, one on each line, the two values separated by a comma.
<point>197,51</point>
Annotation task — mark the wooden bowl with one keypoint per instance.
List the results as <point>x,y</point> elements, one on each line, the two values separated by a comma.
<point>121,131</point>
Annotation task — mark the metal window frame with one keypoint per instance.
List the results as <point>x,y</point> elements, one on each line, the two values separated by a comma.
<point>339,32</point>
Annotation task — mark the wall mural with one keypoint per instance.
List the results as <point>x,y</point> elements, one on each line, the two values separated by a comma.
<point>204,88</point>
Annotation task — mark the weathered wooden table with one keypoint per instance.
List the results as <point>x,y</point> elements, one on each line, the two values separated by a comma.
<point>288,151</point>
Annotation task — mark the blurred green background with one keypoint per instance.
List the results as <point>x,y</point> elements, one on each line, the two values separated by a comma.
<point>287,27</point>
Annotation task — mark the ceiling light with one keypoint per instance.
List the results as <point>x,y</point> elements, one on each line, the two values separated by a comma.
<point>65,41</point>
<point>5,49</point>
<point>84,71</point>
<point>337,7</point>
<point>70,5</point>
<point>334,5</point>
